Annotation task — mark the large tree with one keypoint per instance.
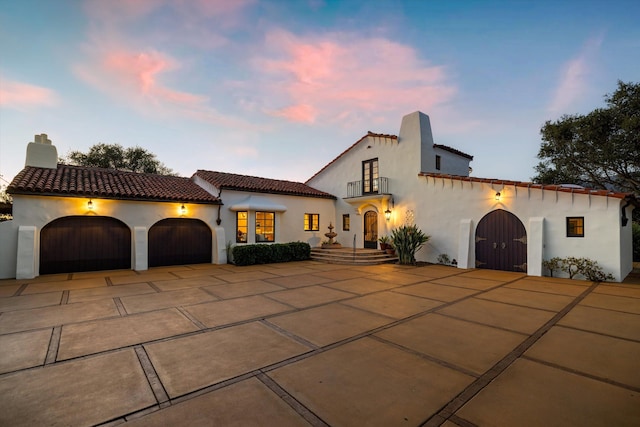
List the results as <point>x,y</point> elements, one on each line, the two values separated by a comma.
<point>600,149</point>
<point>115,156</point>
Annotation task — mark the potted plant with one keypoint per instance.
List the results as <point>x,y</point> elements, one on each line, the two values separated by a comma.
<point>390,249</point>
<point>384,242</point>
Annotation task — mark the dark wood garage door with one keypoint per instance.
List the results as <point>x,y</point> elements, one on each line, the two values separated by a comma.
<point>176,241</point>
<point>84,243</point>
<point>501,242</point>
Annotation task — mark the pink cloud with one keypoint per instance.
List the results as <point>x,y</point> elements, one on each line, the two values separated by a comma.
<point>136,79</point>
<point>333,77</point>
<point>22,96</point>
<point>199,23</point>
<point>574,78</point>
<point>136,76</point>
<point>302,113</point>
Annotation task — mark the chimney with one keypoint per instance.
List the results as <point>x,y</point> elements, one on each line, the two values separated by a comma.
<point>41,153</point>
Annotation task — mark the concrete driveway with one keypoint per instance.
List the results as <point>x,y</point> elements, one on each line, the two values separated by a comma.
<point>311,343</point>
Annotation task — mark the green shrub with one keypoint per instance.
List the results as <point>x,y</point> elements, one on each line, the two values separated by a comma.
<point>407,240</point>
<point>272,253</point>
<point>573,266</point>
<point>552,264</point>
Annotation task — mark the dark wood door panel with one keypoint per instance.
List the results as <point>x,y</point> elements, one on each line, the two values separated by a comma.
<point>176,241</point>
<point>84,243</point>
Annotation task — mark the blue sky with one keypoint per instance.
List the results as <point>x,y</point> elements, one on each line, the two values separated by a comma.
<point>280,88</point>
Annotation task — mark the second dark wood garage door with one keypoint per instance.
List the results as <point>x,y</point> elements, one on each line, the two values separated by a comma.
<point>176,241</point>
<point>84,243</point>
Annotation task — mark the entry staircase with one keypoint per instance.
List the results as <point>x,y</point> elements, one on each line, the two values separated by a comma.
<point>352,257</point>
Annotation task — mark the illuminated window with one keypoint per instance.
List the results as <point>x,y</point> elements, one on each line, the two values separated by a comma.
<point>265,226</point>
<point>575,226</point>
<point>346,222</point>
<point>242,223</point>
<point>370,176</point>
<point>311,222</point>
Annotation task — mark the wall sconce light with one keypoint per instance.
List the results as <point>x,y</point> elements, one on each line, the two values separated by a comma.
<point>90,205</point>
<point>183,210</point>
<point>387,214</point>
<point>498,196</point>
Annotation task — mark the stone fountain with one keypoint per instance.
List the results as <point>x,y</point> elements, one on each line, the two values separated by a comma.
<point>330,235</point>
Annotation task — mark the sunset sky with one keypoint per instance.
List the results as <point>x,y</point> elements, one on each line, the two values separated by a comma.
<point>279,88</point>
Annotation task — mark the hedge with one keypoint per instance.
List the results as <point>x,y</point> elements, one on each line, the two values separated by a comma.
<point>271,253</point>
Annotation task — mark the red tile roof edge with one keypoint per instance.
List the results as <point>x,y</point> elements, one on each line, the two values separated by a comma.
<point>369,133</point>
<point>256,184</point>
<point>549,187</point>
<point>453,150</point>
<point>80,181</point>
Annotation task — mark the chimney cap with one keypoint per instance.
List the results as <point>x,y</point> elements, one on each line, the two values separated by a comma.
<point>42,139</point>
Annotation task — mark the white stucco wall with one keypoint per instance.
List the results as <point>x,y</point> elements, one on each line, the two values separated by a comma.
<point>450,163</point>
<point>38,211</point>
<point>446,202</point>
<point>449,210</point>
<point>8,249</point>
<point>289,224</point>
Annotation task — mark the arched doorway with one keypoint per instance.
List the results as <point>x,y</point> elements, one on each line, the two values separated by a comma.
<point>84,243</point>
<point>176,241</point>
<point>371,230</point>
<point>501,242</point>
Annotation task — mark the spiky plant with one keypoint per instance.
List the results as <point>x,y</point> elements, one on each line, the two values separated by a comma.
<point>407,240</point>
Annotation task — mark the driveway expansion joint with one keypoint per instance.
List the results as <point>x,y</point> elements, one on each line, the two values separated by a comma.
<point>475,387</point>
<point>302,410</point>
<point>152,377</point>
<point>54,345</point>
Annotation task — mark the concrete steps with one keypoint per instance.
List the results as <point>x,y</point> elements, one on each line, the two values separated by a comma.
<point>348,256</point>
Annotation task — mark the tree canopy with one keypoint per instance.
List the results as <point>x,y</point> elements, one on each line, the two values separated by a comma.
<point>600,149</point>
<point>115,156</point>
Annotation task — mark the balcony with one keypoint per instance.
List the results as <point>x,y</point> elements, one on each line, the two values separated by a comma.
<point>379,186</point>
<point>380,196</point>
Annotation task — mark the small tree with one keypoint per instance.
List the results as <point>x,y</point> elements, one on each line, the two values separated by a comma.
<point>5,202</point>
<point>552,264</point>
<point>407,240</point>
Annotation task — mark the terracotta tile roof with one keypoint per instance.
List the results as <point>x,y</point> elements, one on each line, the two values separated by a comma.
<point>369,133</point>
<point>230,181</point>
<point>453,150</point>
<point>79,181</point>
<point>561,188</point>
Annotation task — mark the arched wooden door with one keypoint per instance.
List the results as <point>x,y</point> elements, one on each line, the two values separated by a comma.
<point>371,230</point>
<point>501,242</point>
<point>84,243</point>
<point>177,241</point>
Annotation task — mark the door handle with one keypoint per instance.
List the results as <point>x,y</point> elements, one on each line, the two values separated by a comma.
<point>495,245</point>
<point>504,245</point>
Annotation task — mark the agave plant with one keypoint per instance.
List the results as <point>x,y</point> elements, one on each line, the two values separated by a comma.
<point>407,240</point>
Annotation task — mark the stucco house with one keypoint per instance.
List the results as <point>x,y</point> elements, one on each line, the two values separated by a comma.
<point>377,184</point>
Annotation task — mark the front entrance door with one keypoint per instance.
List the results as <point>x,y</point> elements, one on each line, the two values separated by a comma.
<point>371,230</point>
<point>501,242</point>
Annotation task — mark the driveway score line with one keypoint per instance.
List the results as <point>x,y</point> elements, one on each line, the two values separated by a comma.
<point>475,387</point>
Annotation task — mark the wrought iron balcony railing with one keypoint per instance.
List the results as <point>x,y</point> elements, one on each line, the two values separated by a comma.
<point>376,186</point>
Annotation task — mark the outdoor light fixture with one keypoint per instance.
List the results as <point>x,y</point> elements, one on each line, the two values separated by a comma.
<point>498,196</point>
<point>183,210</point>
<point>387,214</point>
<point>90,205</point>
